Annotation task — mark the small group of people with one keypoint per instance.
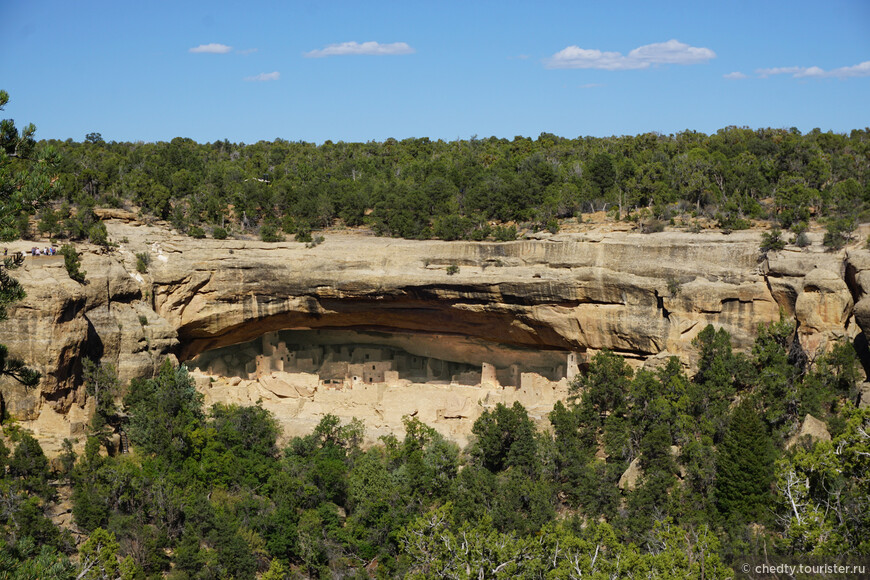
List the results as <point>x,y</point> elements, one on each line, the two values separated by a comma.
<point>47,251</point>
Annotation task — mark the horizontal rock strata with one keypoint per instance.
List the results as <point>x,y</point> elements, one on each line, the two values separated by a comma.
<point>643,296</point>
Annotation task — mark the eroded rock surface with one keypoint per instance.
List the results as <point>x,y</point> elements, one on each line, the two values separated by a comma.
<point>643,296</point>
<point>823,309</point>
<point>632,293</point>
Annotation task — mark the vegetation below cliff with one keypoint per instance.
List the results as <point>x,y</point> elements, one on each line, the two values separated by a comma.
<point>718,474</point>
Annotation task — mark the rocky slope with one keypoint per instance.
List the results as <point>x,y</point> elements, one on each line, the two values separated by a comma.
<point>643,296</point>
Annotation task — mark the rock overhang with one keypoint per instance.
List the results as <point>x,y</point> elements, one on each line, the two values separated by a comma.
<point>639,295</point>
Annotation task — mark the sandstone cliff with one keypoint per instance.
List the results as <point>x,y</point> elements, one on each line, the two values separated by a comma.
<point>643,296</point>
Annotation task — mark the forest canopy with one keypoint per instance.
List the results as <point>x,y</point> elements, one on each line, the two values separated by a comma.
<point>465,189</point>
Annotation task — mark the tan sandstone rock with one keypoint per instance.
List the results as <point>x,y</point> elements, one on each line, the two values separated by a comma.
<point>629,478</point>
<point>822,309</point>
<point>638,295</point>
<point>811,430</point>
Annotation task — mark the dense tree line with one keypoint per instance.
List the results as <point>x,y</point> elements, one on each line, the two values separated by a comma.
<point>465,189</point>
<point>207,493</point>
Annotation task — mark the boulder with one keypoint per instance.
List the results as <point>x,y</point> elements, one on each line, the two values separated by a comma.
<point>811,430</point>
<point>628,480</point>
<point>111,213</point>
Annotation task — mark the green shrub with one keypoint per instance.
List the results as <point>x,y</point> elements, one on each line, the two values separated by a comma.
<point>799,227</point>
<point>196,232</point>
<point>480,233</point>
<point>21,228</point>
<point>269,233</point>
<point>653,226</point>
<point>772,241</point>
<point>839,233</point>
<point>289,224</point>
<point>730,221</point>
<point>315,241</point>
<point>49,222</point>
<point>98,235</point>
<point>303,234</point>
<point>72,263</point>
<point>505,233</point>
<point>801,240</point>
<point>451,227</point>
<point>219,233</point>
<point>143,260</point>
<point>452,269</point>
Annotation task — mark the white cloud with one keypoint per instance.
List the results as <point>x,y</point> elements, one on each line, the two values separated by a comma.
<point>782,70</point>
<point>812,71</point>
<point>670,52</point>
<point>858,70</point>
<point>212,48</point>
<point>272,76</point>
<point>576,57</point>
<point>368,48</point>
<point>802,72</point>
<point>736,75</point>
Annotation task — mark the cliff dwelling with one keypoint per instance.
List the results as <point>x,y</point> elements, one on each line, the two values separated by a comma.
<point>380,377</point>
<point>342,358</point>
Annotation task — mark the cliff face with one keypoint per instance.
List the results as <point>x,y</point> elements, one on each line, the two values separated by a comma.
<point>636,294</point>
<point>61,321</point>
<point>639,295</point>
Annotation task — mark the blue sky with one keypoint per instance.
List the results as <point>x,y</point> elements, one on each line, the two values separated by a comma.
<point>361,71</point>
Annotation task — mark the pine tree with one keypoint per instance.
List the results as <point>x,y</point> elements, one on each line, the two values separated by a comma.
<point>744,466</point>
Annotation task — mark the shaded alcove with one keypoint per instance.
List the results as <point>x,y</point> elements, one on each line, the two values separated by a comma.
<point>341,355</point>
